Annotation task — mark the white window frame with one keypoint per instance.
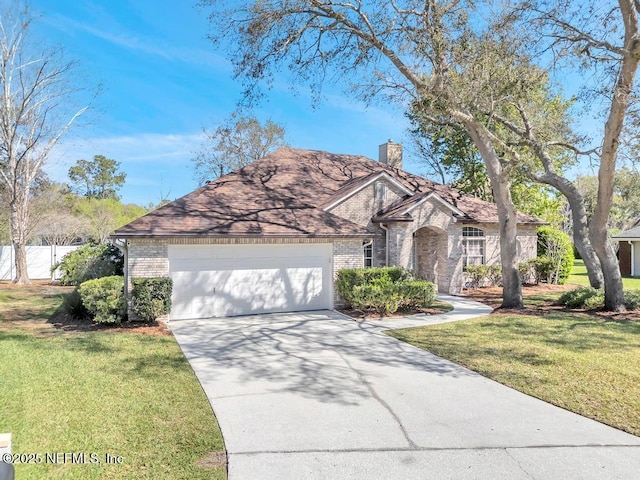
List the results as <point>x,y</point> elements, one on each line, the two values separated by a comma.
<point>367,253</point>
<point>472,236</point>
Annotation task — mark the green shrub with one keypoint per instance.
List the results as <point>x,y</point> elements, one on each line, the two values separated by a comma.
<point>72,305</point>
<point>349,278</point>
<point>104,299</point>
<point>595,301</point>
<point>590,298</point>
<point>415,294</point>
<point>379,296</point>
<point>151,297</point>
<point>477,274</point>
<point>582,297</point>
<point>543,269</point>
<point>556,246</point>
<point>346,281</point>
<point>527,272</point>
<point>494,274</point>
<point>396,274</point>
<point>88,262</point>
<point>632,299</point>
<point>484,275</point>
<point>383,290</point>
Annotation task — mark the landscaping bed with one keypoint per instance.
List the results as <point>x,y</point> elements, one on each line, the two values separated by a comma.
<point>435,308</point>
<point>540,300</point>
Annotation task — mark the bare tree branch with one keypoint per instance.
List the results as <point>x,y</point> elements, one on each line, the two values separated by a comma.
<point>34,114</point>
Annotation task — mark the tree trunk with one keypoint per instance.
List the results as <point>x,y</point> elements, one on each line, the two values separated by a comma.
<point>591,261</point>
<point>20,252</point>
<point>580,223</point>
<point>18,239</point>
<point>511,281</point>
<point>613,288</point>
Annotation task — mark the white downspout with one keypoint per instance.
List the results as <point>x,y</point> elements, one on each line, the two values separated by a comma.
<point>122,246</point>
<point>633,258</point>
<point>414,260</point>
<point>386,244</point>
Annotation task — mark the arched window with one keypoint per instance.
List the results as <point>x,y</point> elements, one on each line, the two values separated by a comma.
<point>472,246</point>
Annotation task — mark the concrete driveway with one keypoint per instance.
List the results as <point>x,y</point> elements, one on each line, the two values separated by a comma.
<point>317,396</point>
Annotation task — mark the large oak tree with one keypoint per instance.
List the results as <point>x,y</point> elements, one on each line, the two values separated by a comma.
<point>599,44</point>
<point>409,50</point>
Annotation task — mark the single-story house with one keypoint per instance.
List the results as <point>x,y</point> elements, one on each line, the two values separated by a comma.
<point>271,236</point>
<point>629,251</point>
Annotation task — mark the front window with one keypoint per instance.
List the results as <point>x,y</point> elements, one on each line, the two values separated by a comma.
<point>368,254</point>
<point>472,246</point>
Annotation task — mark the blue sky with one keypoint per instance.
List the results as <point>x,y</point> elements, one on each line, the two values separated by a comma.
<point>162,82</point>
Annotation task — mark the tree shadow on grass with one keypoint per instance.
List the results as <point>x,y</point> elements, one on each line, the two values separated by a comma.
<point>154,365</point>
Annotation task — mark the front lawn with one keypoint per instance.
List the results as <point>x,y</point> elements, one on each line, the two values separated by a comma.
<point>126,394</point>
<point>586,363</point>
<point>579,277</point>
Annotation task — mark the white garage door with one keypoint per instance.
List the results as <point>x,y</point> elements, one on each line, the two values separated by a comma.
<point>227,280</point>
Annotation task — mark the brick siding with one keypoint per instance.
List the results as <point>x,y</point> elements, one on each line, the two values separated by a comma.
<point>148,258</point>
<point>347,253</point>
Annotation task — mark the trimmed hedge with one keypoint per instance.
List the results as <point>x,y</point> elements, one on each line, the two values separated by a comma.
<point>379,295</point>
<point>383,289</point>
<point>415,293</point>
<point>104,299</point>
<point>88,262</point>
<point>151,297</point>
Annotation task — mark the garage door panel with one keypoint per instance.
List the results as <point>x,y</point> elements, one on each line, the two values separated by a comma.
<point>257,279</point>
<point>192,293</point>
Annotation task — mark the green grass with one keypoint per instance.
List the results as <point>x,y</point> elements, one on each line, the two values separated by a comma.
<point>579,277</point>
<point>574,360</point>
<point>126,394</point>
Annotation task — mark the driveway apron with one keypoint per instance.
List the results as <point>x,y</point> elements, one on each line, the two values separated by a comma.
<point>315,395</point>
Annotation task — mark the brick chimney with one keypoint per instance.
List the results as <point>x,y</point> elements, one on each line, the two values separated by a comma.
<point>391,154</point>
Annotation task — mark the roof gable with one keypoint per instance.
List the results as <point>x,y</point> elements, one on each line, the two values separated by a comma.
<point>352,188</point>
<point>437,198</point>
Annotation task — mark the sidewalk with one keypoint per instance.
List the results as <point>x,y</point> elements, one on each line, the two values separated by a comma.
<point>463,309</point>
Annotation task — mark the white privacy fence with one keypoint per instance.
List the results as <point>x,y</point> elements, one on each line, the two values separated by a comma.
<point>39,261</point>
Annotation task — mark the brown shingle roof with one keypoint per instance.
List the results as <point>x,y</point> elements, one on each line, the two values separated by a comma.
<point>284,193</point>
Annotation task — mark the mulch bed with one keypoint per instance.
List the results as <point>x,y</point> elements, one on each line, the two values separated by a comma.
<point>65,323</point>
<point>492,296</point>
<point>359,314</point>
